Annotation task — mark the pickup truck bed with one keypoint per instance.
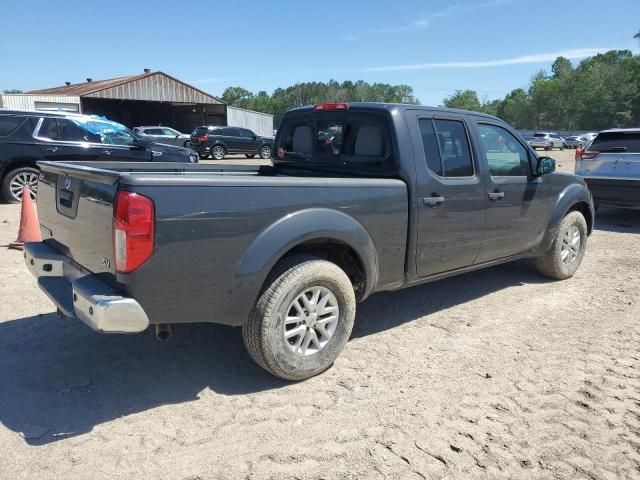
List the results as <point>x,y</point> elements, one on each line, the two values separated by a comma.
<point>218,229</point>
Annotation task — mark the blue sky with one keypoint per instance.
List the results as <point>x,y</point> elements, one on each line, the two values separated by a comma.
<point>436,46</point>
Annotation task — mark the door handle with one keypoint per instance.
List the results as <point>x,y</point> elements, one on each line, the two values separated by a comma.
<point>107,152</point>
<point>433,201</point>
<point>51,149</point>
<point>496,195</point>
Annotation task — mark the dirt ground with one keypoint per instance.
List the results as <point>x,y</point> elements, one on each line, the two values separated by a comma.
<point>495,374</point>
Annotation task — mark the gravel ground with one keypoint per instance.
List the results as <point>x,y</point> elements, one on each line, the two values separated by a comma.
<point>494,374</point>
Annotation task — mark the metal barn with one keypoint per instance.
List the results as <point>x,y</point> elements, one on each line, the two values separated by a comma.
<point>151,98</point>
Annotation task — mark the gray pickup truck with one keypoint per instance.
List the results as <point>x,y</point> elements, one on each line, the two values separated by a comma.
<point>361,198</point>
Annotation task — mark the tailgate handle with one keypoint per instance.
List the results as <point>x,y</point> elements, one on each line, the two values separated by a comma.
<point>66,198</point>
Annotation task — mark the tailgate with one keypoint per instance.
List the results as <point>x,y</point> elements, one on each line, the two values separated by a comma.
<point>75,210</point>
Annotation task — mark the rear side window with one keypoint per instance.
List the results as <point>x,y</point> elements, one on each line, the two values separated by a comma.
<point>8,125</point>
<point>446,147</point>
<point>338,139</point>
<point>623,142</point>
<point>154,131</point>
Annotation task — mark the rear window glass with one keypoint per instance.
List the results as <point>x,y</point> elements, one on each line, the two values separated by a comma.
<point>335,139</point>
<point>617,141</point>
<point>9,124</point>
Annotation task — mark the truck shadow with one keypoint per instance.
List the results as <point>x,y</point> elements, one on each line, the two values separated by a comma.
<point>618,220</point>
<point>60,379</point>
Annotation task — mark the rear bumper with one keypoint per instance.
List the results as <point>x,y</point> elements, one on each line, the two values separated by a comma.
<point>80,294</point>
<point>615,192</point>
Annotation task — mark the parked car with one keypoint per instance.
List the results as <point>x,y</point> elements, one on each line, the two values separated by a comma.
<point>27,137</point>
<point>220,141</point>
<point>361,198</point>
<point>165,135</point>
<point>611,167</point>
<point>576,141</point>
<point>547,140</point>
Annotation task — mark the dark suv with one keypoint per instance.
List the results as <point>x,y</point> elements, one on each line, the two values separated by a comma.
<point>219,141</point>
<point>26,137</point>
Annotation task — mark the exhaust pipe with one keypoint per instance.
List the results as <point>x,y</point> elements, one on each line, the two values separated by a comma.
<point>163,332</point>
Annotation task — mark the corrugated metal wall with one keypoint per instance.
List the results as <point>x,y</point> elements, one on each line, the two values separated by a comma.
<point>260,123</point>
<point>28,102</point>
<point>155,88</point>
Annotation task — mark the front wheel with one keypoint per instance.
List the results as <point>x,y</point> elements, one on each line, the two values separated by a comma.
<point>562,260</point>
<point>265,152</point>
<point>302,320</point>
<point>14,182</point>
<point>218,152</point>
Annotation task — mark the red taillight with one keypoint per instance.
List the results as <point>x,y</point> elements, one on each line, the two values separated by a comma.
<point>203,138</point>
<point>331,106</point>
<point>133,231</point>
<point>587,154</point>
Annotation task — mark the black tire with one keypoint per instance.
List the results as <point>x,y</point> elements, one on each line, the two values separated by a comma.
<point>551,264</point>
<point>218,152</point>
<point>187,144</point>
<point>249,155</point>
<point>265,152</point>
<point>264,332</point>
<point>15,176</point>
<point>548,148</point>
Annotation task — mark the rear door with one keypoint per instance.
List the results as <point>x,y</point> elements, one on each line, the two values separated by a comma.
<point>451,192</point>
<point>517,203</point>
<point>233,140</point>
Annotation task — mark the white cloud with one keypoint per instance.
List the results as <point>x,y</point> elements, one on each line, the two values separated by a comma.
<point>521,60</point>
<point>425,21</point>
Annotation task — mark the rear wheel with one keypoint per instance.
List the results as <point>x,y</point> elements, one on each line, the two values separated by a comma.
<point>265,152</point>
<point>14,182</point>
<point>218,152</point>
<point>302,320</point>
<point>562,260</point>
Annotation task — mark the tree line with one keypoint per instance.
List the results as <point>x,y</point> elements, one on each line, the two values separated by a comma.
<point>601,92</point>
<point>300,94</point>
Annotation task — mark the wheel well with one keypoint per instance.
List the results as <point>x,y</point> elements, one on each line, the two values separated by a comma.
<point>335,252</point>
<point>17,164</point>
<point>583,208</point>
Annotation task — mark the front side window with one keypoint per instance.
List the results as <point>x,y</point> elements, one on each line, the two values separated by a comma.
<point>505,155</point>
<point>94,131</point>
<point>169,132</point>
<point>247,133</point>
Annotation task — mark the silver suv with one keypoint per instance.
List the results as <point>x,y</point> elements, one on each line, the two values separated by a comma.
<point>164,135</point>
<point>546,140</point>
<point>610,165</point>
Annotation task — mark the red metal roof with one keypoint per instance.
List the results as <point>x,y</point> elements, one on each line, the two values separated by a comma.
<point>89,88</point>
<point>80,89</point>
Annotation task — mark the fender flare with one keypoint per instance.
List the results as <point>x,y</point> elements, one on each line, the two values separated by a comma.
<point>273,243</point>
<point>572,195</point>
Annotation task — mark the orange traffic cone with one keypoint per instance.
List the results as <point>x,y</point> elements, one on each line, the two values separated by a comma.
<point>29,225</point>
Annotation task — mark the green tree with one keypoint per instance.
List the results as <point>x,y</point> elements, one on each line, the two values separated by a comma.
<point>465,100</point>
<point>237,97</point>
<point>516,108</point>
<point>12,90</point>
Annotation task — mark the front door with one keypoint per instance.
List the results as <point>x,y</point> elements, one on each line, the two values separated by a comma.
<point>451,191</point>
<point>517,201</point>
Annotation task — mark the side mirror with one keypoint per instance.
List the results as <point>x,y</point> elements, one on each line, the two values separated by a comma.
<point>140,144</point>
<point>545,165</point>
